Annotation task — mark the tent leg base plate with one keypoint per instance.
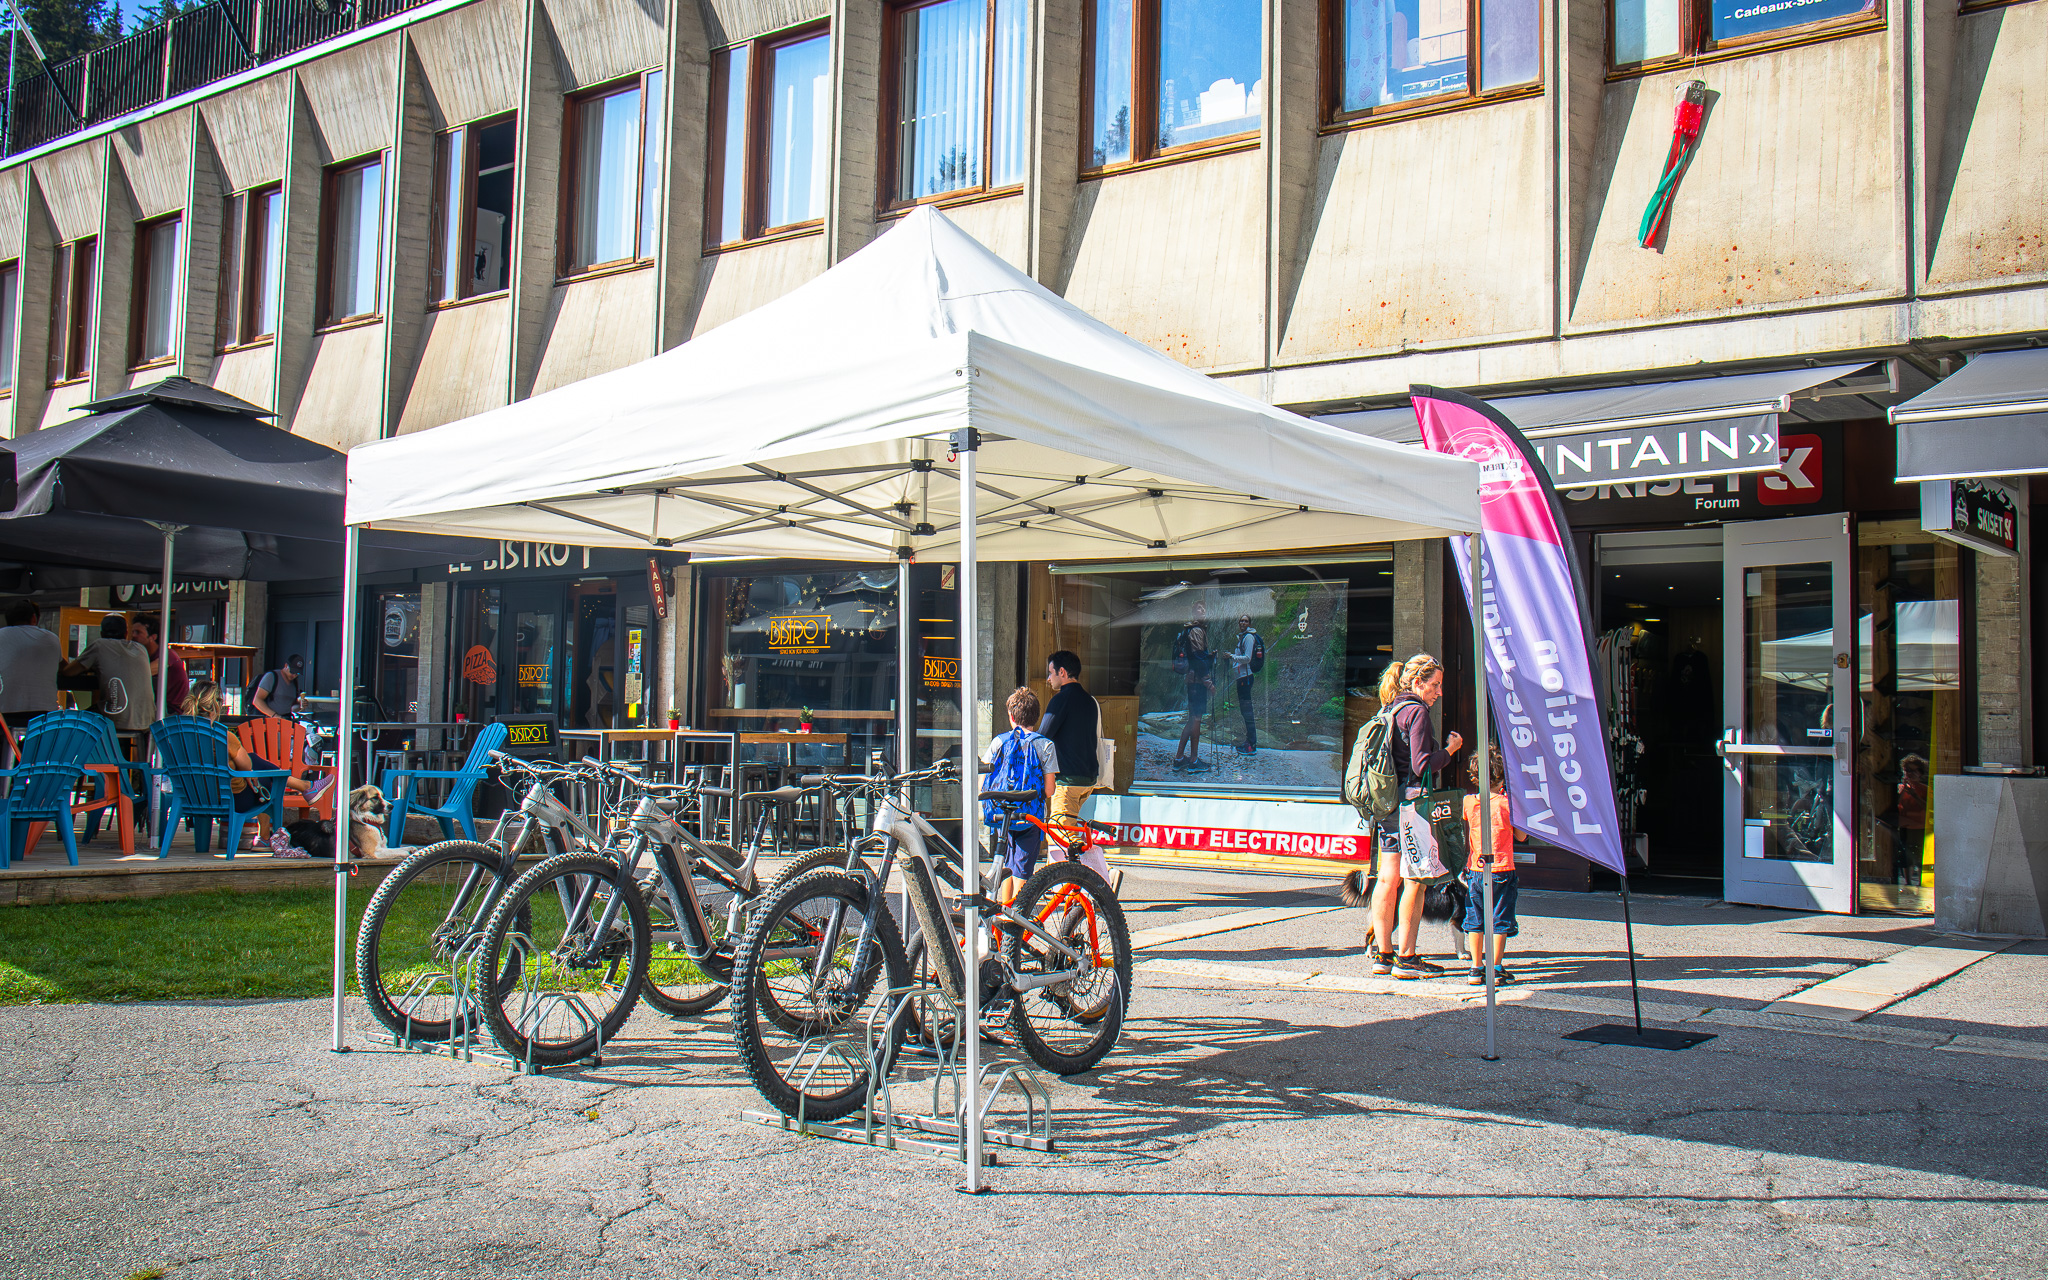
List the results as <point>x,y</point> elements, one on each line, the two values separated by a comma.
<point>1647,1038</point>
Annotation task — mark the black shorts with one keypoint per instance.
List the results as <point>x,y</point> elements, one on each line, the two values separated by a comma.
<point>1198,700</point>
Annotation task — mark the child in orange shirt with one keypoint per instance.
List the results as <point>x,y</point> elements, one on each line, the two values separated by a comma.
<point>1505,881</point>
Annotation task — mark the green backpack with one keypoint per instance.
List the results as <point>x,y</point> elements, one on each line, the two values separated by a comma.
<point>1369,783</point>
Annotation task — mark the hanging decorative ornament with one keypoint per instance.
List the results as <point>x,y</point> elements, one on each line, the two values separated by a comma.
<point>1687,119</point>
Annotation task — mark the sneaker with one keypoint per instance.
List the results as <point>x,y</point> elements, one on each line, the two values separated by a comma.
<point>1476,978</point>
<point>1382,964</point>
<point>1501,977</point>
<point>1416,967</point>
<point>1198,766</point>
<point>1245,751</point>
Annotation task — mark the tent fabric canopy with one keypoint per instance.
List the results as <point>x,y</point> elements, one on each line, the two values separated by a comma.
<point>1989,418</point>
<point>817,426</point>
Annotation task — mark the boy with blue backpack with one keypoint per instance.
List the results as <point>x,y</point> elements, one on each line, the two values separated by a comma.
<point>1023,760</point>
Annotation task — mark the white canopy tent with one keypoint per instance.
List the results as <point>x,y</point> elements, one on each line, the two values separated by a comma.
<point>921,399</point>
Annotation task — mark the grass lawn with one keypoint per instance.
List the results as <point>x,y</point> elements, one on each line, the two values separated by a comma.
<point>192,946</point>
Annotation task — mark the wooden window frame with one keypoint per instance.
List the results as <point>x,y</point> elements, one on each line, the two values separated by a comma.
<point>239,305</point>
<point>1696,48</point>
<point>566,266</point>
<point>1145,150</point>
<point>324,293</point>
<point>73,339</point>
<point>138,300</point>
<point>1336,118</point>
<point>12,288</point>
<point>754,168</point>
<point>437,267</point>
<point>892,112</point>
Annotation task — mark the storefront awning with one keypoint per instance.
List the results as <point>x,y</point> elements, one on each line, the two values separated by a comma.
<point>1989,418</point>
<point>1658,430</point>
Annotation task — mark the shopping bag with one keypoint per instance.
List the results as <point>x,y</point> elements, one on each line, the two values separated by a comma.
<point>1105,764</point>
<point>1433,838</point>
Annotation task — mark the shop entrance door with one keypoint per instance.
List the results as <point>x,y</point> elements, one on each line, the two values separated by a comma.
<point>1788,731</point>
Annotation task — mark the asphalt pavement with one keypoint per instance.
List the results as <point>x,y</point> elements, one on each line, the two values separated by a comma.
<point>1242,1128</point>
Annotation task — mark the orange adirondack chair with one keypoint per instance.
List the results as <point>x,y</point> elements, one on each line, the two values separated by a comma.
<point>283,743</point>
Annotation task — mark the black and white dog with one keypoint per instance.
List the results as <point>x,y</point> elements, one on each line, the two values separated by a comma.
<point>368,812</point>
<point>1441,904</point>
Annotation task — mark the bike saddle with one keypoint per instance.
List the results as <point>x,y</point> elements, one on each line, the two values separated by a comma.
<point>777,796</point>
<point>1013,797</point>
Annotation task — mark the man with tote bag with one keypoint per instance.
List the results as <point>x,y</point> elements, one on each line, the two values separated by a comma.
<point>1074,723</point>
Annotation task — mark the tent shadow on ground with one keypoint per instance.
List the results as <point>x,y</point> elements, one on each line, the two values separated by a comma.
<point>1842,1100</point>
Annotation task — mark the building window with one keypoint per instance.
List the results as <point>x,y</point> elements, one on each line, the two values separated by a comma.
<point>354,241</point>
<point>157,295</point>
<point>1397,55</point>
<point>251,256</point>
<point>10,311</point>
<point>959,97</point>
<point>771,112</point>
<point>615,143</point>
<point>1646,34</point>
<point>1170,76</point>
<point>71,306</point>
<point>473,209</point>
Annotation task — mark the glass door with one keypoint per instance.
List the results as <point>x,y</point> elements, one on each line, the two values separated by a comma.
<point>1787,698</point>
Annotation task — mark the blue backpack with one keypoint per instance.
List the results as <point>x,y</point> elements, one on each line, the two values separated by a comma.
<point>1017,768</point>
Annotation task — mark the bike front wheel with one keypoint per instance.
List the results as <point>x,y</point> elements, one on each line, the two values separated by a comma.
<point>1067,1013</point>
<point>583,950</point>
<point>430,909</point>
<point>819,955</point>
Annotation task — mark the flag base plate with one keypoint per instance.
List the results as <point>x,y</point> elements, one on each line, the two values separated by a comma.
<point>1647,1038</point>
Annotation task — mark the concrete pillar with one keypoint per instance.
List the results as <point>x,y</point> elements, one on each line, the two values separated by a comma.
<point>408,233</point>
<point>679,250</point>
<point>537,194</point>
<point>247,615</point>
<point>205,211</point>
<point>1055,148</point>
<point>1575,75</point>
<point>298,282</point>
<point>1288,140</point>
<point>856,127</point>
<point>32,331</point>
<point>433,650</point>
<point>2003,680</point>
<point>113,296</point>
<point>1001,636</point>
<point>677,685</point>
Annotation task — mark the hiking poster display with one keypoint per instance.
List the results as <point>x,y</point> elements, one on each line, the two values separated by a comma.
<point>1242,686</point>
<point>1538,654</point>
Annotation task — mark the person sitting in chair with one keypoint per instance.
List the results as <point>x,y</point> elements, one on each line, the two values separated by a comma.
<point>205,700</point>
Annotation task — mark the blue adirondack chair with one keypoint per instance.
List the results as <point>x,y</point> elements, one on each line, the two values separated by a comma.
<point>193,753</point>
<point>87,738</point>
<point>456,809</point>
<point>45,783</point>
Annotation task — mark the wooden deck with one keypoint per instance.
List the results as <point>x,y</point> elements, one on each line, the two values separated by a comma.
<point>105,874</point>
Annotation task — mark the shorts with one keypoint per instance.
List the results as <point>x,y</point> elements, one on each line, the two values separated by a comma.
<point>1386,849</point>
<point>1198,700</point>
<point>1505,886</point>
<point>1020,851</point>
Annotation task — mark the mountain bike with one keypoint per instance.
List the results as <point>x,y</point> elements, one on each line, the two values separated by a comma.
<point>824,954</point>
<point>432,906</point>
<point>584,936</point>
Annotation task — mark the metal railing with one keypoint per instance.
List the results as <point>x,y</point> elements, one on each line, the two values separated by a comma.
<point>195,48</point>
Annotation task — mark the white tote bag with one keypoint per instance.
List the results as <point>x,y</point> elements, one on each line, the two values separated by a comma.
<point>1105,764</point>
<point>1420,860</point>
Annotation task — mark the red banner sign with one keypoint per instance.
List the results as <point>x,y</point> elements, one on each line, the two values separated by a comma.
<point>1286,844</point>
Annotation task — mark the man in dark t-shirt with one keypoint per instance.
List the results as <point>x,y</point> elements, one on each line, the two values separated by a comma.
<point>1073,722</point>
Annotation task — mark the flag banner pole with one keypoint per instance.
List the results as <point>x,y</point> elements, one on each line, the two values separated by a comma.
<point>1628,930</point>
<point>1482,734</point>
<point>344,731</point>
<point>1529,603</point>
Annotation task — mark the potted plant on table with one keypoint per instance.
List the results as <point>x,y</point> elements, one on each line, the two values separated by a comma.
<point>803,720</point>
<point>675,718</point>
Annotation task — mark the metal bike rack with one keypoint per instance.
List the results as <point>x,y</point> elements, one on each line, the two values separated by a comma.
<point>882,1123</point>
<point>459,983</point>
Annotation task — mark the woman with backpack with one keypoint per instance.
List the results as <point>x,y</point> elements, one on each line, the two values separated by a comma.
<point>1246,660</point>
<point>1410,689</point>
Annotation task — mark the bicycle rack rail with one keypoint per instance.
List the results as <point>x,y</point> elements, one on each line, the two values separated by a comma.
<point>459,983</point>
<point>882,1123</point>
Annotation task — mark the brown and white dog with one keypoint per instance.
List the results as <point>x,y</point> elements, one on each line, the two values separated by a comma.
<point>368,813</point>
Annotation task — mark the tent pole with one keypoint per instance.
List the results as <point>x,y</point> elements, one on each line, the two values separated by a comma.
<point>964,444</point>
<point>1482,737</point>
<point>344,734</point>
<point>906,708</point>
<point>163,650</point>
